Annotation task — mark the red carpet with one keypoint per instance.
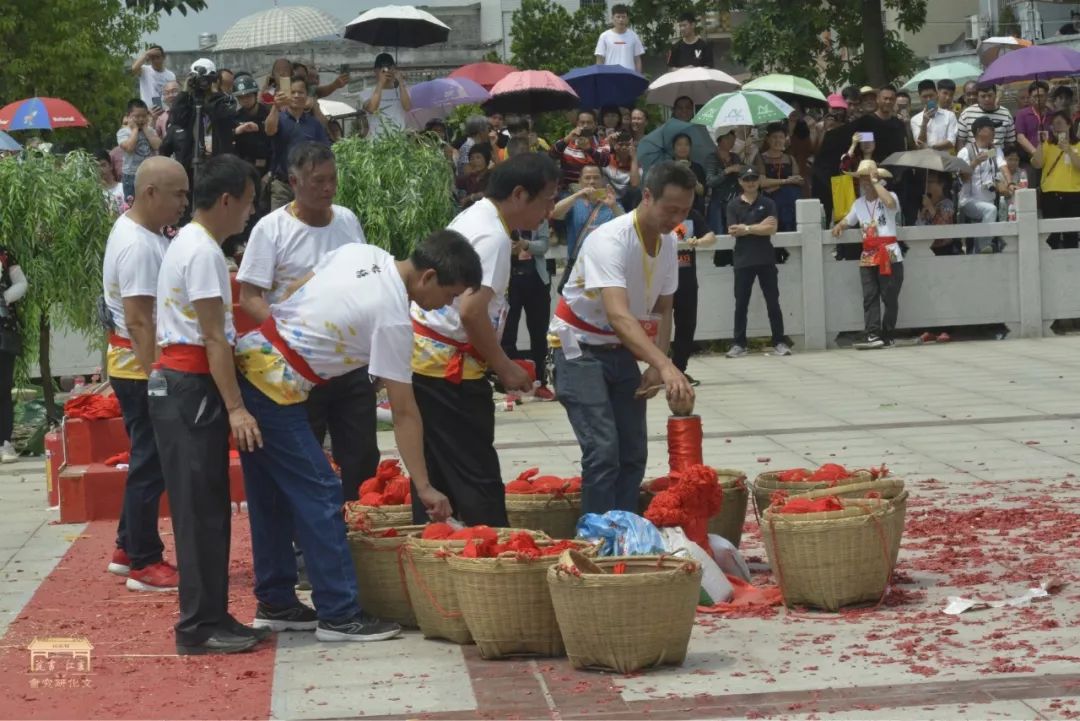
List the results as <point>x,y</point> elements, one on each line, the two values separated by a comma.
<point>135,672</point>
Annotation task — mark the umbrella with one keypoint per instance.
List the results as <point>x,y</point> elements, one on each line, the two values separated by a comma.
<point>40,114</point>
<point>991,48</point>
<point>699,84</point>
<point>398,26</point>
<point>958,71</point>
<point>743,107</point>
<point>601,85</point>
<point>8,143</point>
<point>531,92</point>
<point>782,85</point>
<point>436,98</point>
<point>279,26</point>
<point>656,146</point>
<point>928,159</point>
<point>484,74</point>
<point>1043,61</point>
<point>335,108</point>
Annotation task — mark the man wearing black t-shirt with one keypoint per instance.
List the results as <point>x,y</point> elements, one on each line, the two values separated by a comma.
<point>689,50</point>
<point>752,219</point>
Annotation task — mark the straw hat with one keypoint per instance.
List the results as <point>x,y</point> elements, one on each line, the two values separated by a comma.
<point>868,168</point>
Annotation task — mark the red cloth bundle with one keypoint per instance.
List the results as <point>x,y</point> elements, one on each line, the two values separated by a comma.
<point>530,482</point>
<point>829,472</point>
<point>92,406</point>
<point>811,505</point>
<point>693,497</point>
<point>444,531</point>
<point>389,486</point>
<point>520,543</point>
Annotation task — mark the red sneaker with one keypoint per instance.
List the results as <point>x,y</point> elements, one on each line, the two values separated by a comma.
<point>926,337</point>
<point>120,563</point>
<point>543,393</point>
<point>160,577</point>
<point>943,337</point>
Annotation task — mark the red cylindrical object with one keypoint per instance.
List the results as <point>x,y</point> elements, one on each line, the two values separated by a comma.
<point>684,442</point>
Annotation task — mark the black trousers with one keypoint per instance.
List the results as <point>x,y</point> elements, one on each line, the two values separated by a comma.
<point>876,290</point>
<point>7,405</point>
<point>137,532</point>
<point>1061,205</point>
<point>530,294</point>
<point>192,430</point>
<point>459,443</point>
<point>685,312</point>
<point>346,407</point>
<point>766,276</point>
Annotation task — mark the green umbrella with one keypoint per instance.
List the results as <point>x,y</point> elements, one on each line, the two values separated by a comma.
<point>786,85</point>
<point>743,107</point>
<point>958,71</point>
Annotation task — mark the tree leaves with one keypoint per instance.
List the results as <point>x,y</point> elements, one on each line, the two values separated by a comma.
<point>398,185</point>
<point>167,6</point>
<point>547,37</point>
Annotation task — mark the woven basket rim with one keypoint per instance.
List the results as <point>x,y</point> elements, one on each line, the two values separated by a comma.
<point>852,512</point>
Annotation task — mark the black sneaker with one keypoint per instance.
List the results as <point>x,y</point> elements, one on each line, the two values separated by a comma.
<point>359,628</point>
<point>692,380</point>
<point>238,629</point>
<point>872,341</point>
<point>290,618</point>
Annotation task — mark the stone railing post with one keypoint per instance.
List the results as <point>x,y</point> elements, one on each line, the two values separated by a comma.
<point>808,215</point>
<point>1030,281</point>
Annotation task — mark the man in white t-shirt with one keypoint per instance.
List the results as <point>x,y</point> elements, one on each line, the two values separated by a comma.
<point>935,127</point>
<point>195,404</point>
<point>454,347</point>
<point>620,45</point>
<point>616,310</point>
<point>133,255</point>
<point>150,69</point>
<point>386,103</point>
<point>284,247</point>
<point>877,213</point>
<point>351,312</point>
<point>978,194</point>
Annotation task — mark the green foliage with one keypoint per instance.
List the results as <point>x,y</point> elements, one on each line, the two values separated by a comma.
<point>167,6</point>
<point>400,186</point>
<point>492,56</point>
<point>1007,23</point>
<point>54,217</point>
<point>547,37</point>
<point>78,50</point>
<point>455,120</point>
<point>823,40</point>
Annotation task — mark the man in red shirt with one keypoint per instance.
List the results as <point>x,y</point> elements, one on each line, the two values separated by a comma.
<point>579,148</point>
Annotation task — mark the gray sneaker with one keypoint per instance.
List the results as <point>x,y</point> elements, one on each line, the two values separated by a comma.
<point>782,349</point>
<point>736,351</point>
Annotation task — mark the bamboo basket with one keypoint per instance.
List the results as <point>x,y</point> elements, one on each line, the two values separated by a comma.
<point>555,514</point>
<point>357,516</point>
<point>728,522</point>
<point>600,614</point>
<point>767,483</point>
<point>834,559</point>
<point>379,575</point>
<point>507,605</point>
<point>890,489</point>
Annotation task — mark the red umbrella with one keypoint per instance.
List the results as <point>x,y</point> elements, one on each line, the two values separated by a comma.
<point>40,114</point>
<point>531,92</point>
<point>484,74</point>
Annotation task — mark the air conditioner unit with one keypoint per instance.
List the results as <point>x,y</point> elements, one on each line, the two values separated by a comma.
<point>974,28</point>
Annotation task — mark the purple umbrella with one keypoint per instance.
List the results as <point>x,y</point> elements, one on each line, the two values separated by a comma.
<point>1032,63</point>
<point>436,98</point>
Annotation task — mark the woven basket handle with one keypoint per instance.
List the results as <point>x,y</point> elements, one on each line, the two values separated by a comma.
<point>848,489</point>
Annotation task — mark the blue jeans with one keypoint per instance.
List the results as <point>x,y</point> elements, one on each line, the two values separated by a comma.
<point>293,492</point>
<point>597,390</point>
<point>137,532</point>
<point>128,183</point>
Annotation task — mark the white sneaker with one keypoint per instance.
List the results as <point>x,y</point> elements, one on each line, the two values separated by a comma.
<point>736,351</point>
<point>782,349</point>
<point>8,453</point>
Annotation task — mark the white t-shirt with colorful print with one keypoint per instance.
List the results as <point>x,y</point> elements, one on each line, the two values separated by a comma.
<point>483,227</point>
<point>130,270</point>
<point>353,312</point>
<point>193,269</point>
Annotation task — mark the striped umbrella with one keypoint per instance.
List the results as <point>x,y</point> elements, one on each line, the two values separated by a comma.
<point>279,26</point>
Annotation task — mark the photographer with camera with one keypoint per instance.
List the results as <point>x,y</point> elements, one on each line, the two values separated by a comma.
<point>201,101</point>
<point>288,124</point>
<point>389,100</point>
<point>978,194</point>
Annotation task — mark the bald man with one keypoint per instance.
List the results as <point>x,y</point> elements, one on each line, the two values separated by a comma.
<point>133,255</point>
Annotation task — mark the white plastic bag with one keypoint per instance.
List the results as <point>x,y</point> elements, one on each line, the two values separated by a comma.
<point>728,557</point>
<point>714,585</point>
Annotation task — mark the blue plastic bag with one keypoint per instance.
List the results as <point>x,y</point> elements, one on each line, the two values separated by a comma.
<point>622,533</point>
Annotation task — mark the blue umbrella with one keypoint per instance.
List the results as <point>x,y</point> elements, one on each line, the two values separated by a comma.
<point>7,142</point>
<point>601,85</point>
<point>656,146</point>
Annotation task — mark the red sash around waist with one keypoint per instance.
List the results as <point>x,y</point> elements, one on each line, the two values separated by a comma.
<point>185,358</point>
<point>878,245</point>
<point>564,313</point>
<point>294,359</point>
<point>119,341</point>
<point>455,369</point>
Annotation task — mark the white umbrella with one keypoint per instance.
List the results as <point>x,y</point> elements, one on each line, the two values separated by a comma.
<point>279,26</point>
<point>397,26</point>
<point>699,84</point>
<point>335,108</point>
<point>991,48</point>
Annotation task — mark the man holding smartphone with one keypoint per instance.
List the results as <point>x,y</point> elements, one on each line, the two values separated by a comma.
<point>935,127</point>
<point>386,103</point>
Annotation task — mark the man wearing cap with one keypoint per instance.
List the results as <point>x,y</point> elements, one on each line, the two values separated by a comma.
<point>250,139</point>
<point>386,103</point>
<point>877,213</point>
<point>934,127</point>
<point>868,100</point>
<point>288,124</point>
<point>752,219</point>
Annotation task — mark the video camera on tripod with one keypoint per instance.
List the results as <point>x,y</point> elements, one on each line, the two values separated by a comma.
<point>202,77</point>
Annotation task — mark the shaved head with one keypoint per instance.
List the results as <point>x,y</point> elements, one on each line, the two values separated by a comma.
<point>161,192</point>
